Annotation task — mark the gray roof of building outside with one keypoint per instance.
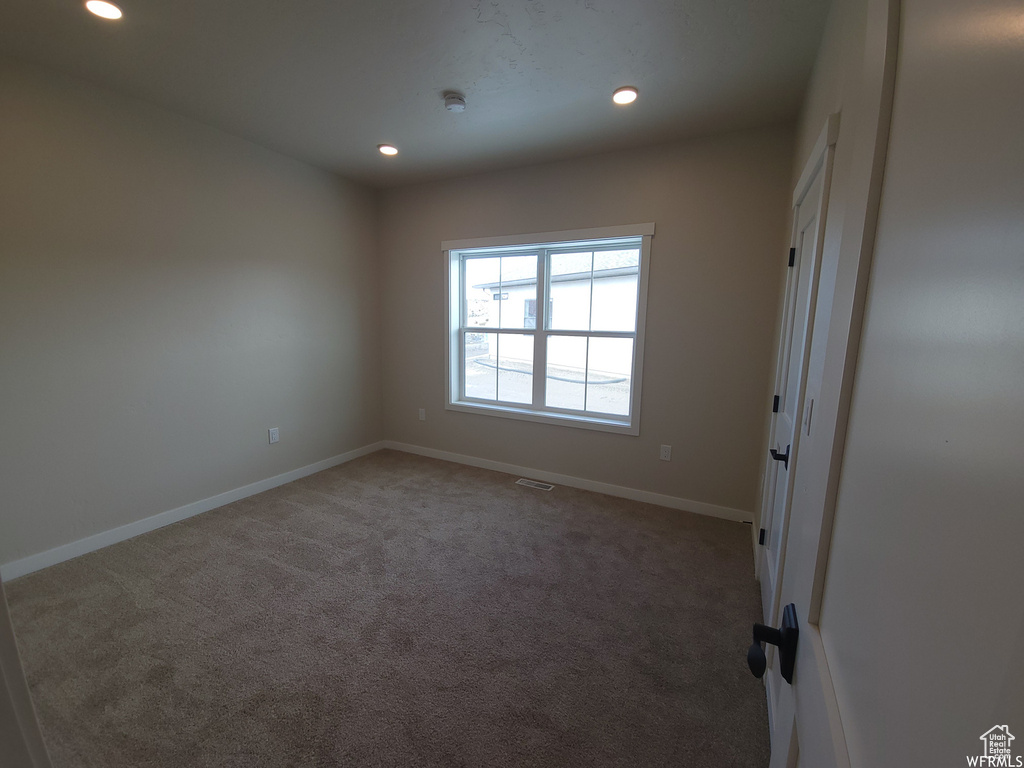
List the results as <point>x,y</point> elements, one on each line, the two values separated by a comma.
<point>573,277</point>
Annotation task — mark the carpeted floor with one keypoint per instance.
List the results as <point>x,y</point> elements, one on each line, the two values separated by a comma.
<point>402,611</point>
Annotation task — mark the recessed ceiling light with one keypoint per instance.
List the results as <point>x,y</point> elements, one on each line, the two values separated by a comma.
<point>387,149</point>
<point>103,9</point>
<point>625,95</point>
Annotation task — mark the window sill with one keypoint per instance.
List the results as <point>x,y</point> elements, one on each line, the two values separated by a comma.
<point>600,424</point>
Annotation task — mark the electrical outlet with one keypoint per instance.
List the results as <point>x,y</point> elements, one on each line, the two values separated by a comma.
<point>666,453</point>
<point>274,434</point>
<point>423,414</point>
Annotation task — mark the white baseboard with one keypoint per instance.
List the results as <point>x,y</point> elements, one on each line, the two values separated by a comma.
<point>25,565</point>
<point>59,554</point>
<point>662,500</point>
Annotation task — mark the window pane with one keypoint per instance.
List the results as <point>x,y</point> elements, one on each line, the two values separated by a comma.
<point>614,306</point>
<point>609,367</point>
<point>571,263</point>
<point>518,291</point>
<point>515,368</point>
<point>483,281</point>
<point>481,365</point>
<point>566,372</point>
<point>617,259</point>
<point>518,268</point>
<point>570,291</point>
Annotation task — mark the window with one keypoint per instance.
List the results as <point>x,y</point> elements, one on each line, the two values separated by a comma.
<point>511,354</point>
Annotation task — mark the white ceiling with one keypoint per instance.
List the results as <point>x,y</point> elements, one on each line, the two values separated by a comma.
<point>327,81</point>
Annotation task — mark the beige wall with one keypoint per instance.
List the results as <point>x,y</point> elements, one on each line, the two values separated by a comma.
<point>720,206</point>
<point>835,80</point>
<point>167,293</point>
<point>833,89</point>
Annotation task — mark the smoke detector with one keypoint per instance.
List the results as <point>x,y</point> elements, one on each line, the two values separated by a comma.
<point>454,101</point>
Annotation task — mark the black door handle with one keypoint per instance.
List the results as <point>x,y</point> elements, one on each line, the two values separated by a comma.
<point>783,457</point>
<point>785,637</point>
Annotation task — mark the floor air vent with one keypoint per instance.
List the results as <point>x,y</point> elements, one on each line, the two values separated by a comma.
<point>534,484</point>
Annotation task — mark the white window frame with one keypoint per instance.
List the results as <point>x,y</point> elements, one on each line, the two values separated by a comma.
<point>455,349</point>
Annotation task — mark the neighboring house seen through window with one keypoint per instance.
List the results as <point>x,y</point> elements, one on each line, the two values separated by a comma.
<point>550,327</point>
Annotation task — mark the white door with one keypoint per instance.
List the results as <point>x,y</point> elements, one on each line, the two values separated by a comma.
<point>21,741</point>
<point>806,729</point>
<point>810,201</point>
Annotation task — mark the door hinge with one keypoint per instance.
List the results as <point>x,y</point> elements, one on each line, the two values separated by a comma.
<point>775,404</point>
<point>760,537</point>
<point>792,256</point>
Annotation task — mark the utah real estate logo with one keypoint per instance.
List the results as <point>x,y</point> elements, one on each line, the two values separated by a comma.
<point>996,751</point>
